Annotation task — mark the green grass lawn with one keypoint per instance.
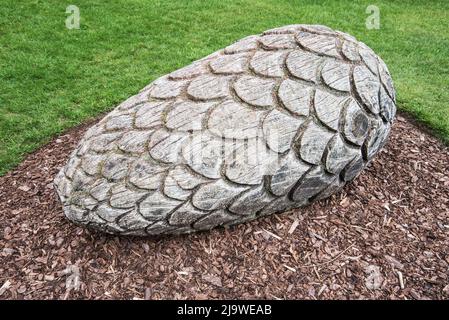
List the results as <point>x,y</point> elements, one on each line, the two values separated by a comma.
<point>53,78</point>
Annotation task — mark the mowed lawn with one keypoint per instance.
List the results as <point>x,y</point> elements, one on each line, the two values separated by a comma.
<point>53,78</point>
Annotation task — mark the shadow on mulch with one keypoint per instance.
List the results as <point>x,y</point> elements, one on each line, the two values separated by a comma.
<point>384,236</point>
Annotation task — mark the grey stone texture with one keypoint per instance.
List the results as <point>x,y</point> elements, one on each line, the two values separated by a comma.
<point>267,124</point>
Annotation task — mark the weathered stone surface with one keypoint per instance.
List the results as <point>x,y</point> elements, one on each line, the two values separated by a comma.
<point>328,108</point>
<point>290,171</point>
<point>267,63</point>
<point>186,215</point>
<point>244,167</point>
<point>313,142</point>
<point>336,75</point>
<point>339,155</point>
<point>279,129</point>
<point>312,184</point>
<point>296,97</point>
<point>165,88</point>
<point>157,206</point>
<point>209,87</point>
<point>255,90</point>
<point>355,123</point>
<point>146,173</point>
<point>250,202</point>
<point>367,86</point>
<point>188,115</point>
<point>270,123</point>
<point>323,44</point>
<point>149,114</point>
<point>123,197</point>
<point>350,50</point>
<point>304,65</point>
<point>203,154</point>
<point>216,195</point>
<point>278,41</point>
<point>165,145</point>
<point>232,63</point>
<point>234,120</point>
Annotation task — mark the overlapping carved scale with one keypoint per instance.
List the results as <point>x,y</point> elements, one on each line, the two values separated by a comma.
<point>269,64</point>
<point>295,96</point>
<point>234,120</point>
<point>304,65</point>
<point>336,75</point>
<point>279,130</point>
<point>319,43</point>
<point>231,63</point>
<point>255,91</point>
<point>267,124</point>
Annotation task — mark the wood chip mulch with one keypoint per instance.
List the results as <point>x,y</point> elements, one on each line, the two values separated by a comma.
<point>385,236</point>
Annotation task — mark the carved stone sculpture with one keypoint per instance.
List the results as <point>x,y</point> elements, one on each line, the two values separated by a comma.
<point>270,123</point>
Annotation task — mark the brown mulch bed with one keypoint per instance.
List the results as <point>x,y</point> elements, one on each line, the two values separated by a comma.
<point>384,236</point>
